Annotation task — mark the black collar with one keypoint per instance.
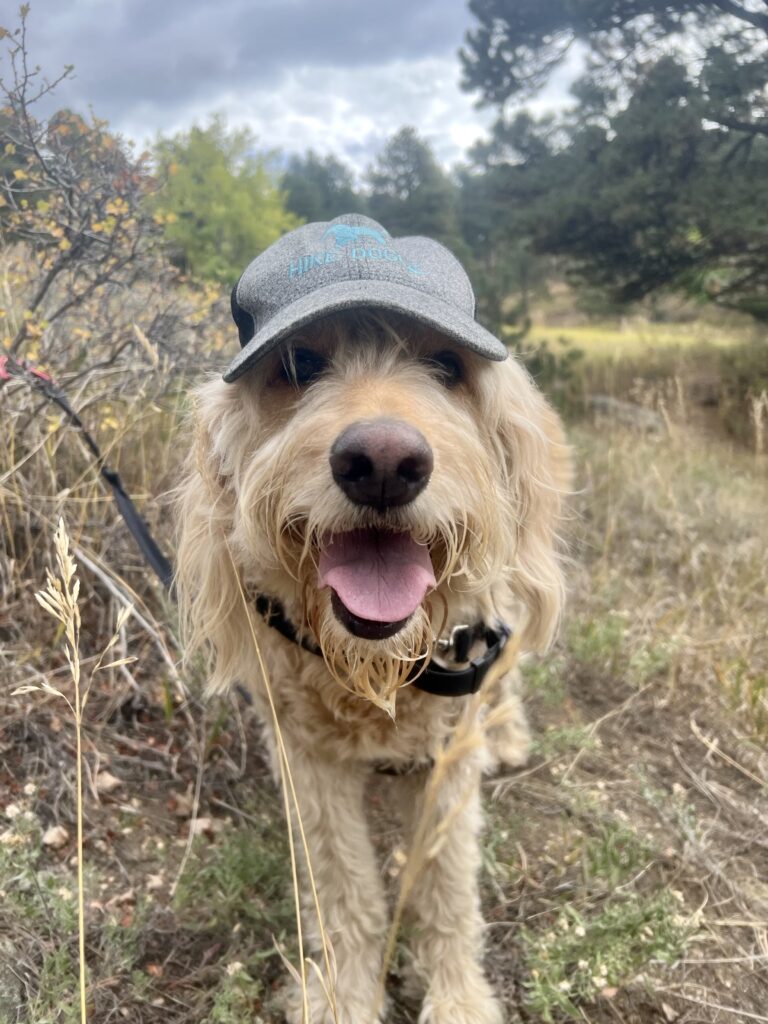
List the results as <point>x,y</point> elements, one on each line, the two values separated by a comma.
<point>435,678</point>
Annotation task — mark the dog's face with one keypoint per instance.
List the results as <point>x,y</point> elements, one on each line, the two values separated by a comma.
<point>373,476</point>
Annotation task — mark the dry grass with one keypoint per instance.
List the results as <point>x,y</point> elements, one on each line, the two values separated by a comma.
<point>644,807</point>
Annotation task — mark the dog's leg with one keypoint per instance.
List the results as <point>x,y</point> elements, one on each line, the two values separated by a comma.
<point>445,900</point>
<point>508,735</point>
<point>348,886</point>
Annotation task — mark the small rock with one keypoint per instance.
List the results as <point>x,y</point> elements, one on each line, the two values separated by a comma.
<point>211,826</point>
<point>55,837</point>
<point>107,783</point>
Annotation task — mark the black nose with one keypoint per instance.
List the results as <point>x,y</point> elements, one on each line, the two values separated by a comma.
<point>382,463</point>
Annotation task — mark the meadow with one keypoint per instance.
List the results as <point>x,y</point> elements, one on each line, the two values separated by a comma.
<point>626,864</point>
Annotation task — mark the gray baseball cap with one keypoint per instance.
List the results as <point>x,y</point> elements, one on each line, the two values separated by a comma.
<point>351,263</point>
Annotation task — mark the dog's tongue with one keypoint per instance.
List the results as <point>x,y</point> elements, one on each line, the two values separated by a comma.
<point>378,575</point>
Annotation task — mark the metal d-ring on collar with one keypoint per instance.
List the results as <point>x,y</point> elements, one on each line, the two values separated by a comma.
<point>435,678</point>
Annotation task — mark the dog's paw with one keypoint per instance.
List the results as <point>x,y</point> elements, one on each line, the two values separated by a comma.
<point>346,1011</point>
<point>486,1010</point>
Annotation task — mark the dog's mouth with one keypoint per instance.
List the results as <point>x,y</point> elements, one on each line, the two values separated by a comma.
<point>378,578</point>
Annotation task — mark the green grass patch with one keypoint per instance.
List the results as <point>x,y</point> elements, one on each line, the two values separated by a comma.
<point>237,998</point>
<point>614,854</point>
<point>598,642</point>
<point>582,954</point>
<point>561,739</point>
<point>605,644</point>
<point>242,878</point>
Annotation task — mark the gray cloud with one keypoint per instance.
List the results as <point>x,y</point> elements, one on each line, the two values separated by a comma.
<point>338,76</point>
<point>177,51</point>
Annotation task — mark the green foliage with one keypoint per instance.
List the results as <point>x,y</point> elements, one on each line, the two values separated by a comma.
<point>598,643</point>
<point>582,954</point>
<point>320,188</point>
<point>614,854</point>
<point>606,645</point>
<point>656,178</point>
<point>56,1000</point>
<point>242,878</point>
<point>516,47</point>
<point>73,193</point>
<point>220,204</point>
<point>236,998</point>
<point>410,193</point>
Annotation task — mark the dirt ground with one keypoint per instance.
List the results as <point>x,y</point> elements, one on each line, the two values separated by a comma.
<point>626,866</point>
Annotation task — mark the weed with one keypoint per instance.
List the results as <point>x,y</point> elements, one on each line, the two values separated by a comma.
<point>236,998</point>
<point>598,643</point>
<point>546,678</point>
<point>582,954</point>
<point>243,879</point>
<point>56,1000</point>
<point>614,854</point>
<point>560,739</point>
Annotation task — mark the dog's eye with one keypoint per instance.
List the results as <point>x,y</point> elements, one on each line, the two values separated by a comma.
<point>302,366</point>
<point>447,367</point>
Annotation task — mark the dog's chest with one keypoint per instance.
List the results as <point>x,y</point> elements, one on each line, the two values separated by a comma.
<point>344,726</point>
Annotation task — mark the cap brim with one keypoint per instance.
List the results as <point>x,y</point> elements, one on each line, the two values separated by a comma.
<point>333,298</point>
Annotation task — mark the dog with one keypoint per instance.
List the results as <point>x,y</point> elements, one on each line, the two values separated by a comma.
<point>368,527</point>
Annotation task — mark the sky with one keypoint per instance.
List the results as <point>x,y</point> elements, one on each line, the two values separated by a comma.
<point>336,76</point>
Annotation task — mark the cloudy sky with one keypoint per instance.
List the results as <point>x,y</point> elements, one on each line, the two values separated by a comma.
<point>338,76</point>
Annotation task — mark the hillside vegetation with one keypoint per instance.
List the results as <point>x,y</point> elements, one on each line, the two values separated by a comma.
<point>626,865</point>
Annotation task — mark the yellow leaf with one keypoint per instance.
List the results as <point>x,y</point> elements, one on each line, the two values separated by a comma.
<point>10,149</point>
<point>65,244</point>
<point>20,175</point>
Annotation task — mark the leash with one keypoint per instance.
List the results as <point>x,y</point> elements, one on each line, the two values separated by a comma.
<point>44,384</point>
<point>433,678</point>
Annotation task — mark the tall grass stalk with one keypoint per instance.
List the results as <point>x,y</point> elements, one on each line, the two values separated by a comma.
<point>290,796</point>
<point>59,599</point>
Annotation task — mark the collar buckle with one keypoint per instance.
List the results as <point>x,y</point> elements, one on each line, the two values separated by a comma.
<point>459,641</point>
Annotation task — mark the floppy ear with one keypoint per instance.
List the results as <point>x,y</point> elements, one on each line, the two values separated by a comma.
<point>537,474</point>
<point>213,616</point>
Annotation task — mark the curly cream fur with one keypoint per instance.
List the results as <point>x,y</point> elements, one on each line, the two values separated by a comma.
<point>258,498</point>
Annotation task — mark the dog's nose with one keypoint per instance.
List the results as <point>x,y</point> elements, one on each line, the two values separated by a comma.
<point>382,462</point>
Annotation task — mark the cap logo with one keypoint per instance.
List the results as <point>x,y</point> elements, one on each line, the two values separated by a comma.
<point>346,235</point>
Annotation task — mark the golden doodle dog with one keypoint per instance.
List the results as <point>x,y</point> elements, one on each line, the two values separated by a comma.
<point>372,504</point>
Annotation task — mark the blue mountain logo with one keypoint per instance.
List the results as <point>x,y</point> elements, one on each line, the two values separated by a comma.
<point>347,234</point>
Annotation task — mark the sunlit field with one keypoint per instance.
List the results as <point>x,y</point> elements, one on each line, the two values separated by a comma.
<point>636,340</point>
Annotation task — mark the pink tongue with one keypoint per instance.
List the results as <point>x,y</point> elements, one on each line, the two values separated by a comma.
<point>378,575</point>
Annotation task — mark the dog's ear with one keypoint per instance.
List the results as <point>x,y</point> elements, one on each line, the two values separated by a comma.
<point>213,616</point>
<point>537,474</point>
